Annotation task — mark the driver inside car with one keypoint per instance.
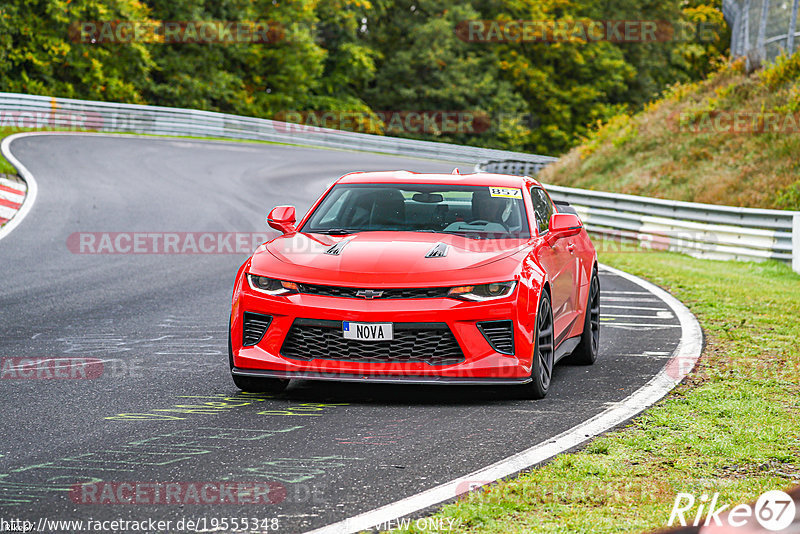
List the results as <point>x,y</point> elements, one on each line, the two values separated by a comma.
<point>490,209</point>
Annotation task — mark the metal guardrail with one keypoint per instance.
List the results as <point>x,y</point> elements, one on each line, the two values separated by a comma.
<point>29,111</point>
<point>761,29</point>
<point>516,167</point>
<point>701,230</point>
<point>698,229</point>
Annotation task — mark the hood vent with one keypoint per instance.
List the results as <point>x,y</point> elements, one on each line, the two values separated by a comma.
<point>336,249</point>
<point>439,250</point>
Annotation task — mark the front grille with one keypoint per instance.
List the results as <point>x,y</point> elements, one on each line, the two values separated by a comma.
<point>499,334</point>
<point>392,293</point>
<point>254,327</point>
<point>431,343</point>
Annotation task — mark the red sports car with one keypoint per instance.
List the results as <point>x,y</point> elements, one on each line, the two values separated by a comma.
<point>418,278</point>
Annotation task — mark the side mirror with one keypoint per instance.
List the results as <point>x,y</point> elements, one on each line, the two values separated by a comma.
<point>282,219</point>
<point>565,225</point>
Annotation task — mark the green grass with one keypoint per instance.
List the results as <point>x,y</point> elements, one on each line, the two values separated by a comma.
<point>731,427</point>
<point>5,166</point>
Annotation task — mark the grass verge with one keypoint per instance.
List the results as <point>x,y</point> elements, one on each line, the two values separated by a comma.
<point>731,427</point>
<point>5,166</point>
<point>731,139</point>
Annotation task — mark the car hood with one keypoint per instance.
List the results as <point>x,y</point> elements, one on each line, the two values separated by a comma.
<point>384,258</point>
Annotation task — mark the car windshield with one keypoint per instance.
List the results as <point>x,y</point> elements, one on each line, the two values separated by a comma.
<point>480,212</point>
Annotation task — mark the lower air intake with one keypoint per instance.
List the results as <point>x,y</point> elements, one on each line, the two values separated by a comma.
<point>255,326</point>
<point>499,334</point>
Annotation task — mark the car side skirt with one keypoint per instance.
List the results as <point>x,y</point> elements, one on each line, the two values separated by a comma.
<point>566,347</point>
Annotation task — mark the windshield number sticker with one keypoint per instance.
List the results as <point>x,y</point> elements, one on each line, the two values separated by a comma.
<point>505,192</point>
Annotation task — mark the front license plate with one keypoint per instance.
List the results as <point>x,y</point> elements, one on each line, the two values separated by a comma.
<point>368,331</point>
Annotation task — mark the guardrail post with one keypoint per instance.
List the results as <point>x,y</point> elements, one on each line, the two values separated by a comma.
<point>762,32</point>
<point>792,29</point>
<point>796,243</point>
<point>746,34</point>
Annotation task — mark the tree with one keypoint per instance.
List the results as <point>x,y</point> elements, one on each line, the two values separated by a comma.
<point>425,67</point>
<point>38,56</point>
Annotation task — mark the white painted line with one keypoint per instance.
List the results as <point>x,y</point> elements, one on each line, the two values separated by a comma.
<point>33,188</point>
<point>645,308</point>
<point>17,216</point>
<point>627,299</point>
<point>608,292</point>
<point>647,325</point>
<point>661,315</point>
<point>676,368</point>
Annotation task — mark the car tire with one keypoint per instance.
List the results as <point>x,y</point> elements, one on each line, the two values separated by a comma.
<point>254,384</point>
<point>543,352</point>
<point>586,351</point>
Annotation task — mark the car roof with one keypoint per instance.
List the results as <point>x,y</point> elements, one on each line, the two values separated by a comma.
<point>401,177</point>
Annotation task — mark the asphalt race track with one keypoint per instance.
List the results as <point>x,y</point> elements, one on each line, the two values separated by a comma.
<point>162,407</point>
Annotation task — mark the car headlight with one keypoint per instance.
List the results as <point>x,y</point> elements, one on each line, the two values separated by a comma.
<point>270,286</point>
<point>480,293</point>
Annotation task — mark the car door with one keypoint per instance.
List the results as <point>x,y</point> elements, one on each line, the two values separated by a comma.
<point>559,260</point>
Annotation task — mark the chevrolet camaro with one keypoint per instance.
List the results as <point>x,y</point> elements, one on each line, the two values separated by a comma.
<point>418,278</point>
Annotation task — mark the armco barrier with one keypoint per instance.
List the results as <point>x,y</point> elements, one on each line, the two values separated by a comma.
<point>701,230</point>
<point>30,111</point>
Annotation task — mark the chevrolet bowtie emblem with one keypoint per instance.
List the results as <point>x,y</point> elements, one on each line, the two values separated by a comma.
<point>369,294</point>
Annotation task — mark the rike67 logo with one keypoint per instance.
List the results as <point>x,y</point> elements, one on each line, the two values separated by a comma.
<point>773,511</point>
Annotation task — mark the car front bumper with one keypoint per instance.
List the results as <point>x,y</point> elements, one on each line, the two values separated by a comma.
<point>481,363</point>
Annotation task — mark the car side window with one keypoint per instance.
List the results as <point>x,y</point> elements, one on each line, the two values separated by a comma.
<point>543,207</point>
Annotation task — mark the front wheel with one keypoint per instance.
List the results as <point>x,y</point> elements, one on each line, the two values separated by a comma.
<point>253,384</point>
<point>543,352</point>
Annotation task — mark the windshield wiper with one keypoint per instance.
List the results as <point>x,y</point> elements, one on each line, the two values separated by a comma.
<point>334,231</point>
<point>469,234</point>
